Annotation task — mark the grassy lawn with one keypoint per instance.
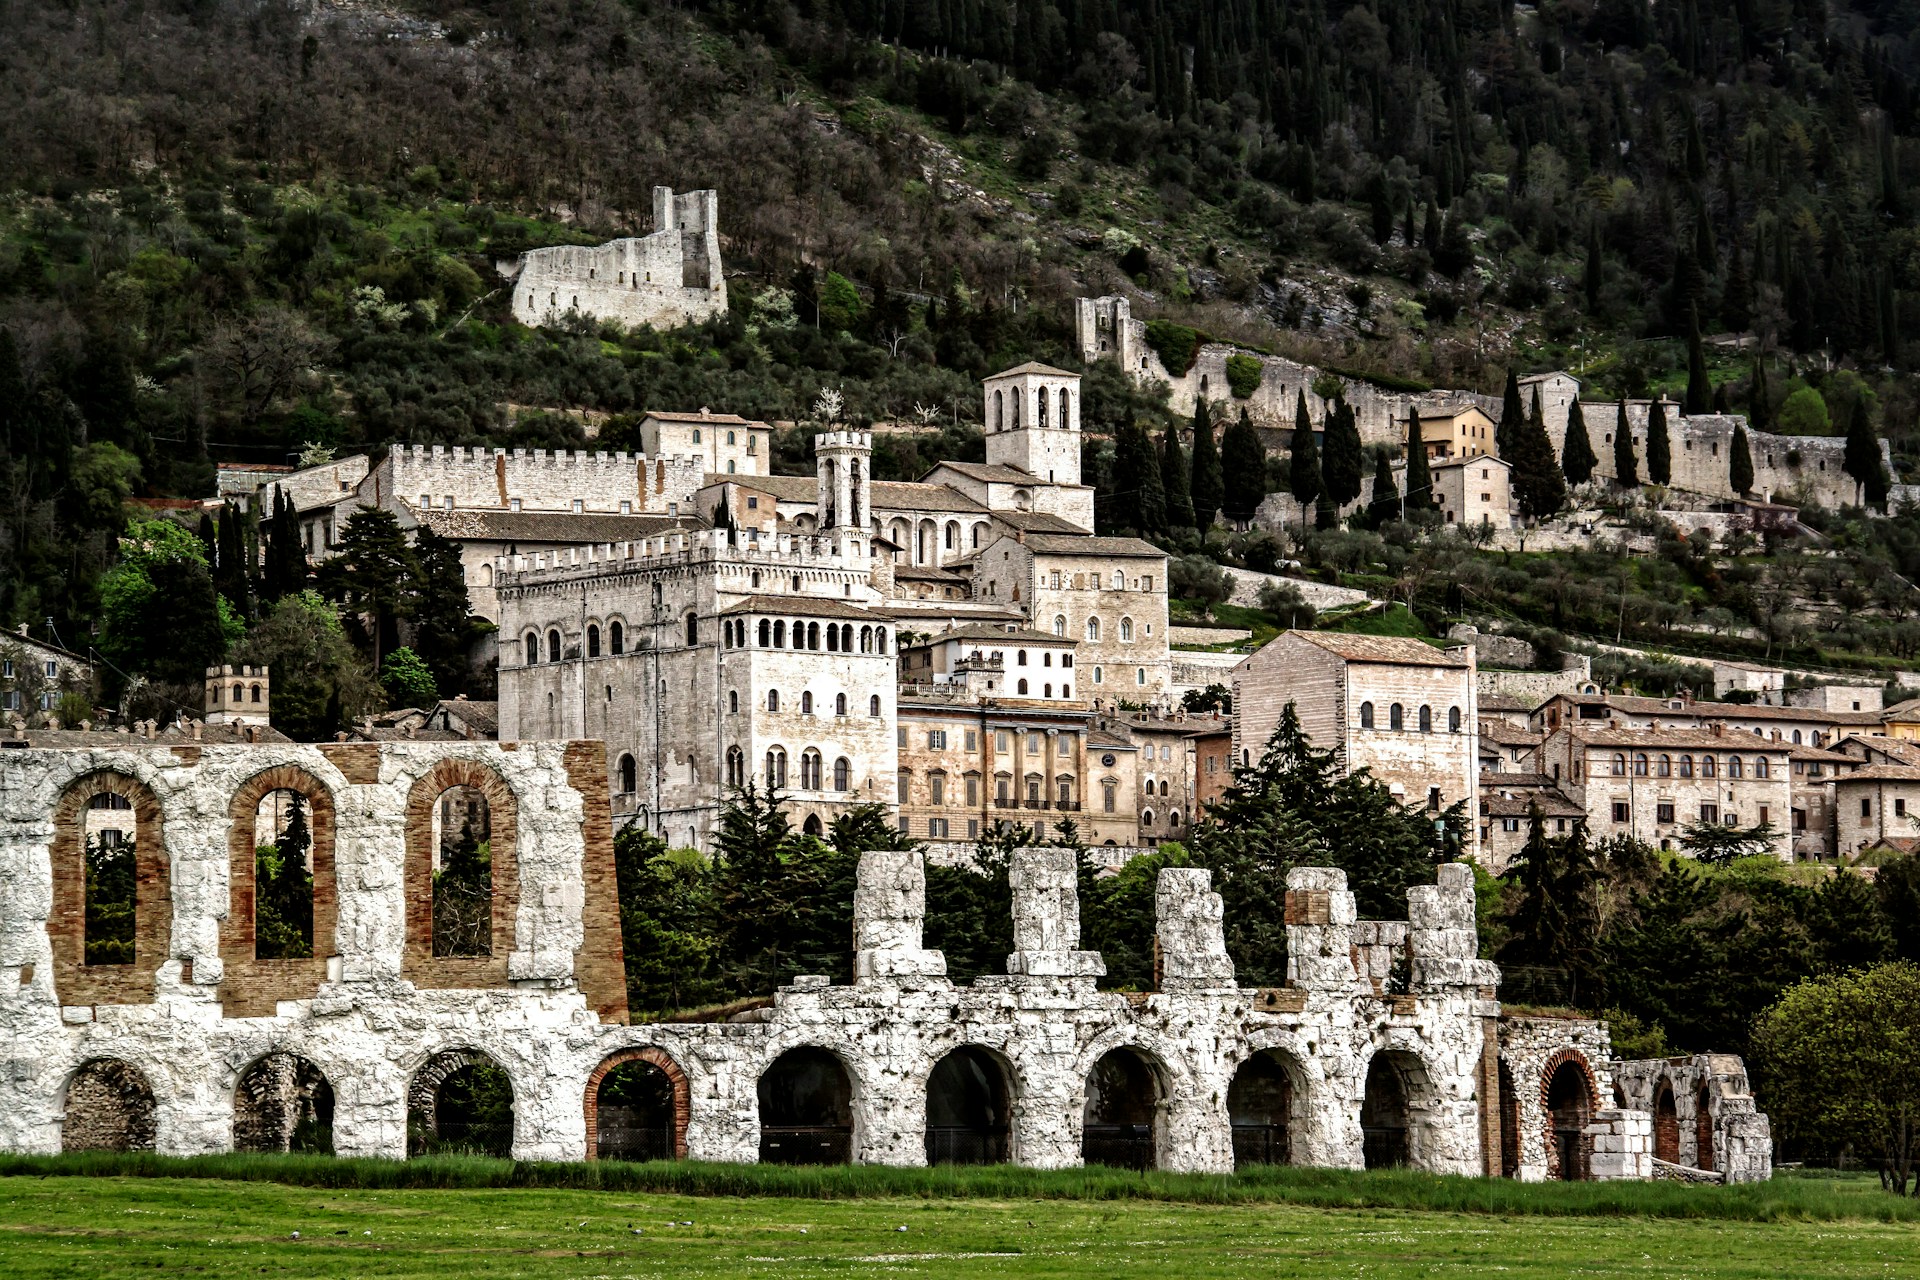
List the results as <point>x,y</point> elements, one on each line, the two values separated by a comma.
<point>62,1225</point>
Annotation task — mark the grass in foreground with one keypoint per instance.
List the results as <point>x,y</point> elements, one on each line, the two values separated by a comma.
<point>115,1226</point>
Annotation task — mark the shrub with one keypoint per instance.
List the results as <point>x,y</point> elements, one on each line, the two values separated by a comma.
<point>1175,344</point>
<point>1804,414</point>
<point>1284,601</point>
<point>1243,374</point>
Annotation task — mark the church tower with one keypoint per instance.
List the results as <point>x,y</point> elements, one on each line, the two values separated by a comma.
<point>1032,418</point>
<point>843,462</point>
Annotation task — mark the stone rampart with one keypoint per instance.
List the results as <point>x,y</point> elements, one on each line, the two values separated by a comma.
<point>541,480</point>
<point>670,277</point>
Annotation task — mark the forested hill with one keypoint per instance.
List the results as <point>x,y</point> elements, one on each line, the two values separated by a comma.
<point>229,229</point>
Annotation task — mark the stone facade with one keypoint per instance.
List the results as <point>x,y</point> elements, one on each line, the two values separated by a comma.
<point>1476,490</point>
<point>1108,594</point>
<point>34,674</point>
<point>668,278</point>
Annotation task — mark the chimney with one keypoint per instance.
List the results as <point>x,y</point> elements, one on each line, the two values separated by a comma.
<point>196,731</point>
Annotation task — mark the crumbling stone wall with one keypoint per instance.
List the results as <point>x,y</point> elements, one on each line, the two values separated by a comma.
<point>670,277</point>
<point>1732,1138</point>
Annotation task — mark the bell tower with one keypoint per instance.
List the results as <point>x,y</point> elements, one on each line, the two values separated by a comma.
<point>843,462</point>
<point>1032,416</point>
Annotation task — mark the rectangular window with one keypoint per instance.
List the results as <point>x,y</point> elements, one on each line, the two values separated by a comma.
<point>1033,744</point>
<point>973,740</point>
<point>513,504</point>
<point>973,790</point>
<point>1709,813</point>
<point>1899,809</point>
<point>937,828</point>
<point>1763,813</point>
<point>973,828</point>
<point>906,825</point>
<point>1106,797</point>
<point>1002,741</point>
<point>937,789</point>
<point>1509,824</point>
<point>900,737</point>
<point>578,506</point>
<point>1663,813</point>
<point>936,739</point>
<point>626,506</point>
<point>1866,808</point>
<point>1146,583</point>
<point>1619,811</point>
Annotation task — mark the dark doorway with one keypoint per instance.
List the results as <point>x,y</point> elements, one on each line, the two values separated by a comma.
<point>1383,1115</point>
<point>109,1108</point>
<point>1260,1106</point>
<point>1123,1103</point>
<point>283,1103</point>
<point>1570,1111</point>
<point>1703,1132</point>
<point>1666,1125</point>
<point>967,1111</point>
<point>634,1114</point>
<point>1509,1125</point>
<point>460,1101</point>
<point>806,1109</point>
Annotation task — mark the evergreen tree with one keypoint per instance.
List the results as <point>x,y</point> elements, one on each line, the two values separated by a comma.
<point>1591,279</point>
<point>1207,487</point>
<point>1699,386</point>
<point>372,576</point>
<point>229,568</point>
<point>1862,457</point>
<point>1626,467</point>
<point>1577,458</point>
<point>1537,481</point>
<point>1152,499</point>
<point>1759,399</point>
<point>1303,466</point>
<point>1419,476</point>
<point>1344,457</point>
<point>1243,466</point>
<point>283,891</point>
<point>1555,924</point>
<point>1384,507</point>
<point>1659,446</point>
<point>285,568</point>
<point>1740,465</point>
<point>1430,229</point>
<point>1736,299</point>
<point>1174,480</point>
<point>1513,417</point>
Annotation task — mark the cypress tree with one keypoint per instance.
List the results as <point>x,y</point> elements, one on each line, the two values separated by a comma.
<point>1659,447</point>
<point>1303,465</point>
<point>1174,480</point>
<point>1206,483</point>
<point>1153,493</point>
<point>1243,466</point>
<point>1384,507</point>
<point>1699,386</point>
<point>1344,458</point>
<point>1513,417</point>
<point>1430,229</point>
<point>1862,458</point>
<point>1419,477</point>
<point>1736,300</point>
<point>1758,407</point>
<point>1740,465</point>
<point>1537,481</point>
<point>1577,459</point>
<point>1626,468</point>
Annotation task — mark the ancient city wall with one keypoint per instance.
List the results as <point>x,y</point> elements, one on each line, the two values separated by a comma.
<point>670,277</point>
<point>541,479</point>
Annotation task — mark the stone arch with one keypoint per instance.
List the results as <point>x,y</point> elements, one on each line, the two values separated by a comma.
<point>283,1102</point>
<point>969,1107</point>
<point>1268,1103</point>
<point>1509,1124</point>
<point>808,1105</point>
<point>1666,1123</point>
<point>1397,1109</point>
<point>251,987</point>
<point>1125,1098</point>
<point>107,1105</point>
<point>681,1094</point>
<point>1703,1130</point>
<point>418,963</point>
<point>466,1116</point>
<point>1563,1091</point>
<point>75,981</point>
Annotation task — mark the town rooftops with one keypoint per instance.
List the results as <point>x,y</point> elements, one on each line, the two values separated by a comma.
<point>1882,773</point>
<point>1684,739</point>
<point>1396,650</point>
<point>991,472</point>
<point>470,525</point>
<point>995,634</point>
<point>1082,544</point>
<point>1032,367</point>
<point>1497,701</point>
<point>914,495</point>
<point>1469,460</point>
<point>785,488</point>
<point>809,606</point>
<point>704,416</point>
<point>1503,734</point>
<point>1032,522</point>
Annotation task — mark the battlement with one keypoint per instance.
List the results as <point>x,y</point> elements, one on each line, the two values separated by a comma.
<point>675,550</point>
<point>444,477</point>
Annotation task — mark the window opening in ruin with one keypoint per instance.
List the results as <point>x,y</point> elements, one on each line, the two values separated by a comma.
<point>283,1104</point>
<point>282,878</point>
<point>1260,1105</point>
<point>806,1109</point>
<point>1509,1125</point>
<point>460,1101</point>
<point>1119,1121</point>
<point>629,775</point>
<point>634,1114</point>
<point>463,874</point>
<point>111,861</point>
<point>1666,1126</point>
<point>1570,1109</point>
<point>1703,1132</point>
<point>967,1109</point>
<point>1383,1115</point>
<point>109,1107</point>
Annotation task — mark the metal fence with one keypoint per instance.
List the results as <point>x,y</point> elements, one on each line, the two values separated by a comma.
<point>957,1144</point>
<point>1260,1144</point>
<point>1121,1146</point>
<point>808,1144</point>
<point>624,1133</point>
<point>1385,1146</point>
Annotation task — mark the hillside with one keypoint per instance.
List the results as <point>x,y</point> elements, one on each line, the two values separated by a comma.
<point>230,230</point>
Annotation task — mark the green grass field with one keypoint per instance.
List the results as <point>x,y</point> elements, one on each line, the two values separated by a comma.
<point>67,1226</point>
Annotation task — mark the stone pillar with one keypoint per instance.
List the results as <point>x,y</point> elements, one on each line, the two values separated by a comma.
<point>1622,1145</point>
<point>1193,945</point>
<point>1442,940</point>
<point>1046,917</point>
<point>889,911</point>
<point>1320,916</point>
<point>1746,1146</point>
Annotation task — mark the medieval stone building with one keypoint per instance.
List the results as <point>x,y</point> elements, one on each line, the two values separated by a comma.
<point>671,277</point>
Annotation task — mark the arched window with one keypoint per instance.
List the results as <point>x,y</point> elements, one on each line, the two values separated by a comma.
<point>629,776</point>
<point>1126,629</point>
<point>1064,418</point>
<point>1040,407</point>
<point>953,536</point>
<point>842,774</point>
<point>532,648</point>
<point>693,630</point>
<point>593,641</point>
<point>1796,737</point>
<point>1366,715</point>
<point>1619,764</point>
<point>1060,625</point>
<point>1396,717</point>
<point>1639,764</point>
<point>806,702</point>
<point>1093,630</point>
<point>553,646</point>
<point>776,767</point>
<point>1709,766</point>
<point>239,693</point>
<point>1453,719</point>
<point>1761,769</point>
<point>1023,688</point>
<point>736,767</point>
<point>880,638</point>
<point>813,635</point>
<point>833,637</point>
<point>839,704</point>
<point>1735,767</point>
<point>873,705</point>
<point>1119,580</point>
<point>866,639</point>
<point>1686,766</point>
<point>733,701</point>
<point>773,699</point>
<point>254,690</point>
<point>1020,658</point>
<point>1666,765</point>
<point>766,634</point>
<point>780,633</point>
<point>810,770</point>
<point>999,411</point>
<point>1426,718</point>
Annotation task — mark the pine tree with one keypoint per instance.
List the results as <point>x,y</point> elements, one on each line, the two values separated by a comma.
<point>1243,464</point>
<point>1153,493</point>
<point>1862,457</point>
<point>1659,447</point>
<point>1759,406</point>
<point>439,608</point>
<point>1174,481</point>
<point>1537,481</point>
<point>1626,467</point>
<point>1207,491</point>
<point>1699,386</point>
<point>1304,481</point>
<point>1577,458</point>
<point>1513,416</point>
<point>1384,507</point>
<point>1419,477</point>
<point>1740,464</point>
<point>1344,458</point>
<point>372,576</point>
<point>1430,229</point>
<point>1555,923</point>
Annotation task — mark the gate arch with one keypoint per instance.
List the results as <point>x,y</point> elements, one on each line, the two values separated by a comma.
<point>1565,1128</point>
<point>418,963</point>
<point>108,1106</point>
<point>660,1060</point>
<point>469,1116</point>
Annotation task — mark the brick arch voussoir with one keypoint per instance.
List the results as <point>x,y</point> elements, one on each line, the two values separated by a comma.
<point>418,963</point>
<point>653,1056</point>
<point>75,981</point>
<point>1549,1069</point>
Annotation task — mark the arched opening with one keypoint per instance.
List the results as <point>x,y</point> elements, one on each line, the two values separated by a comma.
<point>1118,1123</point>
<point>1569,1112</point>
<point>460,1101</point>
<point>806,1109</point>
<point>812,826</point>
<point>1509,1125</point>
<point>109,1108</point>
<point>1384,1114</point>
<point>629,775</point>
<point>283,1103</point>
<point>1703,1133</point>
<point>111,912</point>
<point>1666,1125</point>
<point>282,877</point>
<point>637,1108</point>
<point>463,874</point>
<point>1260,1105</point>
<point>968,1116</point>
<point>111,908</point>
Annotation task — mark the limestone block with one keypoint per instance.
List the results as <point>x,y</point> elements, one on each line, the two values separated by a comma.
<point>1046,917</point>
<point>1320,918</point>
<point>889,911</point>
<point>1189,920</point>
